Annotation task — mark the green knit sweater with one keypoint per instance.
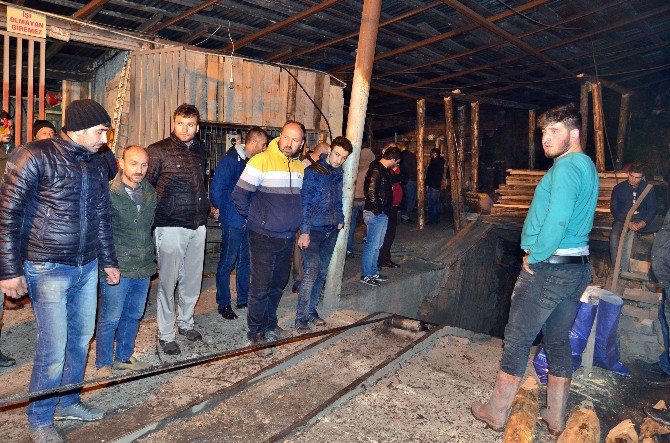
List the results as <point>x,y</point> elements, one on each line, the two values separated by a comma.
<point>563,207</point>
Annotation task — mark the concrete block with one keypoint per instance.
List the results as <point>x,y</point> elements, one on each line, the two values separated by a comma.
<point>636,325</point>
<point>640,313</point>
<point>642,296</point>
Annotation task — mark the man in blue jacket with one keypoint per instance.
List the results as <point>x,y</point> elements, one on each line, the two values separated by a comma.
<point>322,219</point>
<point>55,231</point>
<point>234,240</point>
<point>624,196</point>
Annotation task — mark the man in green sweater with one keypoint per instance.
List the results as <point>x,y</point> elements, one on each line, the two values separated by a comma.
<point>555,272</point>
<point>122,306</point>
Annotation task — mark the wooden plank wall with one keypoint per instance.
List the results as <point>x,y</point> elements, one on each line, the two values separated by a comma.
<point>225,90</point>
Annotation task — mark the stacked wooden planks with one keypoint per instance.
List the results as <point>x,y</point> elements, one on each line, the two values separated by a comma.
<point>516,194</point>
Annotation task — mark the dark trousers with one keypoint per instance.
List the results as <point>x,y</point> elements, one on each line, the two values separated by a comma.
<point>664,318</point>
<point>547,301</point>
<point>389,237</point>
<point>270,269</point>
<point>234,249</point>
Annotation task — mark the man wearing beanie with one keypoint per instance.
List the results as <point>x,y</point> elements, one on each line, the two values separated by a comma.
<point>43,129</point>
<point>177,171</point>
<point>55,228</point>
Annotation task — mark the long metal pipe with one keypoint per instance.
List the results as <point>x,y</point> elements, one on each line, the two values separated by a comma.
<point>358,106</point>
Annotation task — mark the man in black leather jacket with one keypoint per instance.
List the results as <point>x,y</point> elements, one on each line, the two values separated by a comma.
<point>177,171</point>
<point>378,201</point>
<point>55,232</point>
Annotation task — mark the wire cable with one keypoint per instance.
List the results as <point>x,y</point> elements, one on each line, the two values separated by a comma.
<point>533,20</point>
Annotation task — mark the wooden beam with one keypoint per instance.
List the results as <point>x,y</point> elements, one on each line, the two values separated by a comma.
<point>460,146</point>
<point>603,82</point>
<point>598,125</point>
<point>515,58</point>
<point>489,101</point>
<point>18,102</point>
<point>525,47</point>
<point>584,90</point>
<point>183,16</point>
<point>282,24</point>
<point>438,38</point>
<point>531,139</point>
<point>474,121</point>
<point>188,38</point>
<point>291,94</point>
<point>30,91</point>
<point>501,41</point>
<point>453,171</point>
<point>294,55</point>
<point>421,178</point>
<point>90,9</point>
<point>621,132</point>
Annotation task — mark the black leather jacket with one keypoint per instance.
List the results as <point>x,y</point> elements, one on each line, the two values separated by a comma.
<point>54,207</point>
<point>178,174</point>
<point>377,188</point>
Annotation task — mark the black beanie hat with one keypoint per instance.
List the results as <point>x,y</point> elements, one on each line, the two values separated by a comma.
<point>84,114</point>
<point>39,124</point>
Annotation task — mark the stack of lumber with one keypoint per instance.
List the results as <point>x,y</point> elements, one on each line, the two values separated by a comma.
<point>517,193</point>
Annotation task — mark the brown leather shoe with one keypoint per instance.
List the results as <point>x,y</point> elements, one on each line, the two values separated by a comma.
<point>558,391</point>
<point>495,412</point>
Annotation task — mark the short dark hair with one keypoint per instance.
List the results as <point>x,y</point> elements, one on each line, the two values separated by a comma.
<point>5,114</point>
<point>254,133</point>
<point>637,168</point>
<point>188,111</point>
<point>343,143</point>
<point>435,151</point>
<point>567,114</point>
<point>392,153</point>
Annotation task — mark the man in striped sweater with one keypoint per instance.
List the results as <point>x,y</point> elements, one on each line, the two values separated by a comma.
<point>267,195</point>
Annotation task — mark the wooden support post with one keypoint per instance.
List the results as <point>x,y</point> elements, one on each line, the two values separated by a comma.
<point>598,126</point>
<point>474,117</point>
<point>621,133</point>
<point>453,169</point>
<point>584,110</point>
<point>420,176</point>
<point>43,77</point>
<point>358,105</point>
<point>291,95</point>
<point>18,108</point>
<point>5,74</point>
<point>30,111</point>
<point>460,146</point>
<point>531,139</point>
<point>369,125</point>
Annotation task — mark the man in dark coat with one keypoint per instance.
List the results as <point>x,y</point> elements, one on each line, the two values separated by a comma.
<point>55,231</point>
<point>177,172</point>
<point>434,185</point>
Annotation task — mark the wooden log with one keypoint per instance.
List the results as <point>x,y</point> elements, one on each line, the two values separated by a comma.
<point>584,111</point>
<point>291,94</point>
<point>621,132</point>
<point>451,149</point>
<point>474,117</point>
<point>523,416</point>
<point>43,51</point>
<point>582,426</point>
<point>531,139</point>
<point>421,178</point>
<point>460,149</point>
<point>624,432</point>
<point>5,74</point>
<point>598,125</point>
<point>30,92</point>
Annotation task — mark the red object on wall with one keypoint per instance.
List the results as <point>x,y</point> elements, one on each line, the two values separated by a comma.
<point>53,98</point>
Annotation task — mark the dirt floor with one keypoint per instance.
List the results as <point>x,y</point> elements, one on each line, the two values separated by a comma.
<point>366,384</point>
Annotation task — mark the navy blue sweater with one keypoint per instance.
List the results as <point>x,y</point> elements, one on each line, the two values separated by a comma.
<point>227,173</point>
<point>321,199</point>
<point>622,201</point>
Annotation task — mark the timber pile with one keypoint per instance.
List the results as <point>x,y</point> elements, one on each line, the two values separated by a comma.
<point>517,193</point>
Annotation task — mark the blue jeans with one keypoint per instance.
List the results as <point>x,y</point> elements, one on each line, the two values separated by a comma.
<point>270,269</point>
<point>234,249</point>
<point>352,227</point>
<point>375,238</point>
<point>64,299</point>
<point>121,308</point>
<point>664,318</point>
<point>433,197</point>
<point>315,258</point>
<point>547,301</point>
<point>409,192</point>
